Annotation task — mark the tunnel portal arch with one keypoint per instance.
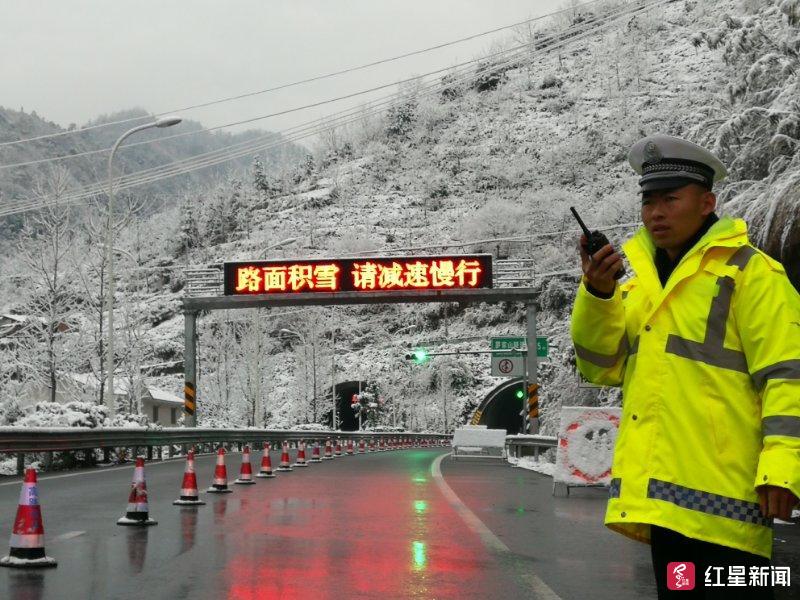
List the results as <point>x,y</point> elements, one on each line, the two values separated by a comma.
<point>501,408</point>
<point>348,419</point>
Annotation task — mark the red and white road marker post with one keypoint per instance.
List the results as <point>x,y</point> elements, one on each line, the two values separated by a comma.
<point>26,548</point>
<point>266,463</point>
<point>220,482</point>
<point>138,513</point>
<point>246,470</point>
<point>190,496</point>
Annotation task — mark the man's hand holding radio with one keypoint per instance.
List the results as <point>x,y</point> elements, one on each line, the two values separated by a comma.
<point>601,267</point>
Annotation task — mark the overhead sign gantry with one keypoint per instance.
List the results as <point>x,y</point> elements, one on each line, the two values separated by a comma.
<point>343,281</point>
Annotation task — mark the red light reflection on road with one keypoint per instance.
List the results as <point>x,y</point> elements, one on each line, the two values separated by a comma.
<point>379,534</point>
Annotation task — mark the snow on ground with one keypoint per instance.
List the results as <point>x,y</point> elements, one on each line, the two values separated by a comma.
<point>532,464</point>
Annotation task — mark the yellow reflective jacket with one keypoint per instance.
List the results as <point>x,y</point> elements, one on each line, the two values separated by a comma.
<point>710,372</point>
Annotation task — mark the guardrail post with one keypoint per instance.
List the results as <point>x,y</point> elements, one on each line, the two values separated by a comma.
<point>20,463</point>
<point>149,453</point>
<point>106,455</point>
<point>48,461</point>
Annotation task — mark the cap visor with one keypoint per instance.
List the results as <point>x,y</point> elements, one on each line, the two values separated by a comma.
<point>666,183</point>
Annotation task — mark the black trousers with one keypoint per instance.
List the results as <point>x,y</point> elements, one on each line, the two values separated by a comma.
<point>669,546</point>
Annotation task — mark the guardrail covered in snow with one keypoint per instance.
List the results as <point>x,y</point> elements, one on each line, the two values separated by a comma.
<point>515,443</point>
<point>49,439</point>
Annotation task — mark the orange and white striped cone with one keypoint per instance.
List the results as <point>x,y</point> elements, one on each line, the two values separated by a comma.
<point>284,466</point>
<point>301,455</point>
<point>138,513</point>
<point>220,482</point>
<point>246,470</point>
<point>189,494</point>
<point>337,449</point>
<point>382,445</point>
<point>349,448</point>
<point>371,446</point>
<point>26,548</point>
<point>362,446</point>
<point>315,453</point>
<point>328,451</point>
<point>266,463</point>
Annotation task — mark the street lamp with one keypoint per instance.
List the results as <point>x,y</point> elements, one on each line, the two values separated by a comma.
<point>162,122</point>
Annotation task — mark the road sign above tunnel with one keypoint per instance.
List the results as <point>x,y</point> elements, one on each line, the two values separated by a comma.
<point>367,275</point>
<point>506,347</point>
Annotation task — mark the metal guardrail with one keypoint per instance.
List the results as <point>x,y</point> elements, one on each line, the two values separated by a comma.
<point>515,443</point>
<point>69,438</point>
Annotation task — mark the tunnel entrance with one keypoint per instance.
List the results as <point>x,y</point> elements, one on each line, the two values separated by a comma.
<point>348,419</point>
<point>501,408</point>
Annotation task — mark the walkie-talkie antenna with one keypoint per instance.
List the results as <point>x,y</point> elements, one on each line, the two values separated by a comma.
<point>580,222</point>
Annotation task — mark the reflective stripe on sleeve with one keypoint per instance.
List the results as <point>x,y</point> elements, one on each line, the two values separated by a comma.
<point>787,369</point>
<point>787,425</point>
<point>603,360</point>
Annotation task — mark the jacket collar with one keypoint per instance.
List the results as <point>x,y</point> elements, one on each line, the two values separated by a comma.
<point>640,251</point>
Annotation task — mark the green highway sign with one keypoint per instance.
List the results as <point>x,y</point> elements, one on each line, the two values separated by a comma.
<point>518,343</point>
<point>541,347</point>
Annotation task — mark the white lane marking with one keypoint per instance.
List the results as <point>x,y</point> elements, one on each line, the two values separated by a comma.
<point>490,540</point>
<point>66,536</point>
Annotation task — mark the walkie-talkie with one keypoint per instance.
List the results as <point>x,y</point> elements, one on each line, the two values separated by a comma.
<point>596,240</point>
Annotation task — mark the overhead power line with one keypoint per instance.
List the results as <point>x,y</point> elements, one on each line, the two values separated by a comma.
<point>291,110</point>
<point>300,82</point>
<point>282,112</point>
<point>303,131</point>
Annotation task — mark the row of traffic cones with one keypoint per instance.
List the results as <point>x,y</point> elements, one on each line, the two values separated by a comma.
<point>27,537</point>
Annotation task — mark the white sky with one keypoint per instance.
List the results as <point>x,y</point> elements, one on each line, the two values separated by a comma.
<point>72,60</point>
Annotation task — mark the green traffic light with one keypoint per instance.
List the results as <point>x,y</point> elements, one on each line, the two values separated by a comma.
<point>420,356</point>
<point>520,394</point>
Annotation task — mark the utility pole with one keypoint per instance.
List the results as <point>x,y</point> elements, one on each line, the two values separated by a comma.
<point>333,377</point>
<point>444,397</point>
<point>314,367</point>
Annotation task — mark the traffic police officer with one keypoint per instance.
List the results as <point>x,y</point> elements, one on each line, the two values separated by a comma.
<point>704,338</point>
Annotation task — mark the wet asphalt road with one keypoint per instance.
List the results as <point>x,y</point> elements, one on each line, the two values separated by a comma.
<point>366,526</point>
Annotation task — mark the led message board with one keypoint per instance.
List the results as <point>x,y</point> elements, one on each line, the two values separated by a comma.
<point>373,274</point>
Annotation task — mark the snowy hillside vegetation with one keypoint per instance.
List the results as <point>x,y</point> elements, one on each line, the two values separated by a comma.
<point>488,163</point>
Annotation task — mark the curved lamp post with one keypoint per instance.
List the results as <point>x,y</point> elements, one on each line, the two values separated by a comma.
<point>163,122</point>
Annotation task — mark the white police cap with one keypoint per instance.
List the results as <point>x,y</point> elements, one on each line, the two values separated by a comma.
<point>667,162</point>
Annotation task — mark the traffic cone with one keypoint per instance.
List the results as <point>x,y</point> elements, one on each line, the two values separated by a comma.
<point>382,445</point>
<point>220,483</point>
<point>328,450</point>
<point>285,466</point>
<point>189,494</point>
<point>266,463</point>
<point>246,471</point>
<point>337,450</point>
<point>315,453</point>
<point>349,447</point>
<point>362,446</point>
<point>27,536</point>
<point>301,456</point>
<point>371,447</point>
<point>137,514</point>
